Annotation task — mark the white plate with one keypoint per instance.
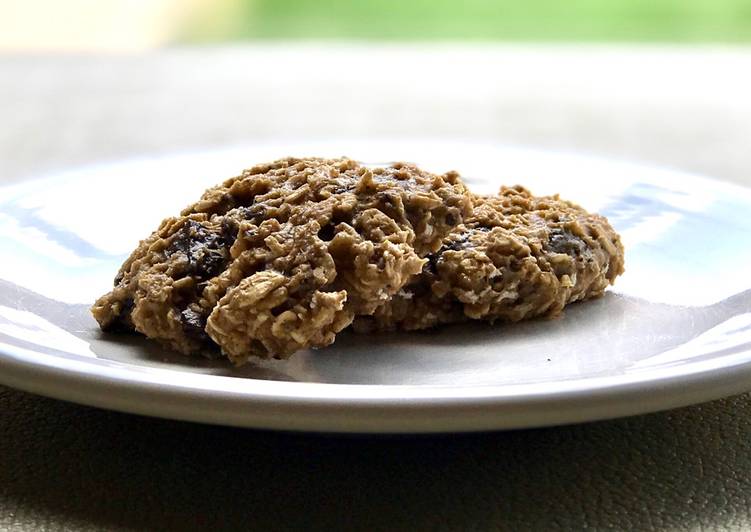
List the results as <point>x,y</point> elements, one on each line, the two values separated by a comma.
<point>675,330</point>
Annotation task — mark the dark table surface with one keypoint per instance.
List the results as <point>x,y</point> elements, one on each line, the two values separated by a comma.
<point>64,466</point>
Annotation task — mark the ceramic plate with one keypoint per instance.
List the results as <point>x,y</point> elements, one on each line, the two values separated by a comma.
<point>675,330</point>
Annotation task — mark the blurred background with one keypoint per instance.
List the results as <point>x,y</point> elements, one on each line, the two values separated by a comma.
<point>663,81</point>
<point>135,24</point>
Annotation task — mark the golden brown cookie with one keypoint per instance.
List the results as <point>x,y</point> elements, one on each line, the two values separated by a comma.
<point>283,256</point>
<point>517,256</point>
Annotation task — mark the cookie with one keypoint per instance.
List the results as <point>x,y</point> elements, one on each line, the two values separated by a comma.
<point>516,256</point>
<point>283,256</point>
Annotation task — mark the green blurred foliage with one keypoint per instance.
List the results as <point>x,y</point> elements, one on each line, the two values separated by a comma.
<point>546,20</point>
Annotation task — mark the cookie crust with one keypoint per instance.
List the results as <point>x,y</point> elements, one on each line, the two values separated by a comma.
<point>517,256</point>
<point>283,256</point>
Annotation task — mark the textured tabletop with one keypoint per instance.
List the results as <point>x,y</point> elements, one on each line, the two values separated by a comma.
<point>64,466</point>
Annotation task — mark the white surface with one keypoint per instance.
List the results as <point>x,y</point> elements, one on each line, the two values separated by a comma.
<point>675,330</point>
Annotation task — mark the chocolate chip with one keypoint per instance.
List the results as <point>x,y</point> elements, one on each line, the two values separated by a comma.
<point>256,211</point>
<point>561,241</point>
<point>206,252</point>
<point>458,244</point>
<point>193,324</point>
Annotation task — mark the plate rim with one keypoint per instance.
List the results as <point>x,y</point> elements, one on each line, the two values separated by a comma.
<point>460,411</point>
<point>414,409</point>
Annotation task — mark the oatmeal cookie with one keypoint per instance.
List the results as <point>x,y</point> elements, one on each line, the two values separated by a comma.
<point>517,256</point>
<point>283,256</point>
